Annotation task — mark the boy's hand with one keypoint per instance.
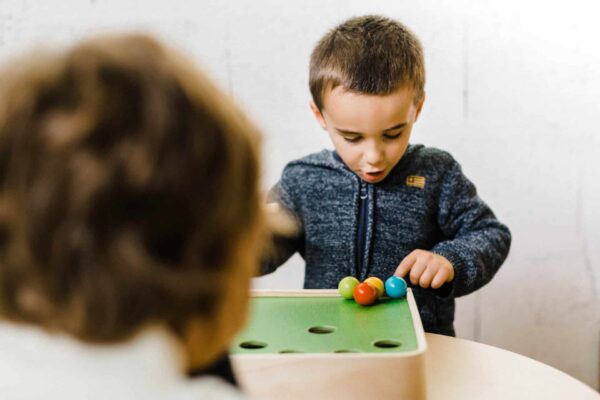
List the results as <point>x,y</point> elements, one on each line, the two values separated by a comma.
<point>278,221</point>
<point>272,208</point>
<point>426,269</point>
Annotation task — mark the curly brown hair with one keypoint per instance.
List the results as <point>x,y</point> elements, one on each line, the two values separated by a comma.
<point>127,183</point>
<point>369,54</point>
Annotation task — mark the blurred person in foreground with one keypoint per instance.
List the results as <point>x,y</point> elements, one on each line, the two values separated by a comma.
<point>130,224</point>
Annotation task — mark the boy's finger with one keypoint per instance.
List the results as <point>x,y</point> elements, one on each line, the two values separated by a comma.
<point>439,279</point>
<point>426,277</point>
<point>405,265</point>
<point>416,271</point>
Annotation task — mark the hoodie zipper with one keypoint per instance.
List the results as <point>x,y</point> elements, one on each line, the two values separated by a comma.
<point>361,236</point>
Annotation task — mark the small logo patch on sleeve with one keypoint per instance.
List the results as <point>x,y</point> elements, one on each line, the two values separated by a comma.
<point>415,181</point>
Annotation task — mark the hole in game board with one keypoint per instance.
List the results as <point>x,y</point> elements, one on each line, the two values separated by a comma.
<point>387,344</point>
<point>322,329</point>
<point>253,345</point>
<point>347,351</point>
<point>290,351</point>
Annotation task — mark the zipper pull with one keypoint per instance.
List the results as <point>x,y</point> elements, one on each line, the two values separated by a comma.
<point>363,190</point>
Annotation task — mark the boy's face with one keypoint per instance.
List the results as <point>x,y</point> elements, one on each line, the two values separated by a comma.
<point>369,132</point>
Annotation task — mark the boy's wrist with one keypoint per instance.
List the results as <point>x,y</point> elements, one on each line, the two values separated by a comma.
<point>444,250</point>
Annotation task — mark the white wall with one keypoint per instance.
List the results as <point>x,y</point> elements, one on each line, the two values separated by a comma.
<point>513,93</point>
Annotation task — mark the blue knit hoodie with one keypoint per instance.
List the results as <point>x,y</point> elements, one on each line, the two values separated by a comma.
<point>350,227</point>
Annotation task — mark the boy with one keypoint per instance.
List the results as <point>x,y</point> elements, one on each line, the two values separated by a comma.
<point>124,261</point>
<point>377,206</point>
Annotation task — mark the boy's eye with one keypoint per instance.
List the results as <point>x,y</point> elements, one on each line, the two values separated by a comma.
<point>352,139</point>
<point>392,136</point>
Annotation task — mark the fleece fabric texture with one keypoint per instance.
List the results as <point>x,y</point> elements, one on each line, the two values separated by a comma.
<point>424,203</point>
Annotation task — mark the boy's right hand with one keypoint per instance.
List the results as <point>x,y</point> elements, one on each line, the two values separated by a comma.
<point>279,221</point>
<point>272,208</point>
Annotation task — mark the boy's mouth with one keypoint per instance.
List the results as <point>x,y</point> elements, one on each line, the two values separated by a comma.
<point>373,176</point>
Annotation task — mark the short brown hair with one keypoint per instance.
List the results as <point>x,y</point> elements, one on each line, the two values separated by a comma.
<point>126,181</point>
<point>368,54</point>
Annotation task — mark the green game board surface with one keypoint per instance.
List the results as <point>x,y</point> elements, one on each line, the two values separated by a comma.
<point>282,325</point>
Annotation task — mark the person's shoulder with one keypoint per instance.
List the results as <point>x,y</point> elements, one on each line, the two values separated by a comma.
<point>431,157</point>
<point>433,163</point>
<point>323,158</point>
<point>318,163</point>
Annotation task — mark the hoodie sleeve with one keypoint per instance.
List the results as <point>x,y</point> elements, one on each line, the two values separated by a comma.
<point>477,243</point>
<point>283,247</point>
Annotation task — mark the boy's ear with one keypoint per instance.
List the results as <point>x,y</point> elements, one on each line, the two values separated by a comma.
<point>420,106</point>
<point>318,115</point>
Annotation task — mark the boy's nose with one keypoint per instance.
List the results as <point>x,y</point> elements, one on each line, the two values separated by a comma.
<point>373,155</point>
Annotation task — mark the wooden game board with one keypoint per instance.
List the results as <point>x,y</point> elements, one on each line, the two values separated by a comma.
<point>313,344</point>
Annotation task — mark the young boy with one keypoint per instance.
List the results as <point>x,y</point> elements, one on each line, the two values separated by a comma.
<point>377,205</point>
<point>125,260</point>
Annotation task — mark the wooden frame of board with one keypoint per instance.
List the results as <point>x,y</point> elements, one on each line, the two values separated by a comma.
<point>335,376</point>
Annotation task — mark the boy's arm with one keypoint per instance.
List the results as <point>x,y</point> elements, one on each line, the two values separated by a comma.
<point>282,246</point>
<point>479,242</point>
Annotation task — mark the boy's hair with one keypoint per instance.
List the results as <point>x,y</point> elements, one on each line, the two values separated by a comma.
<point>126,182</point>
<point>369,54</point>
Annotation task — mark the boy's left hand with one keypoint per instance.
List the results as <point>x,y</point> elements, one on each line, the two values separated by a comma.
<point>426,269</point>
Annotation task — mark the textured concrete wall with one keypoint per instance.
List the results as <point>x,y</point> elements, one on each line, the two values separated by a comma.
<point>513,93</point>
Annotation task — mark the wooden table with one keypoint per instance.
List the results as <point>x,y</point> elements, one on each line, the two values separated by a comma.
<point>435,367</point>
<point>462,369</point>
